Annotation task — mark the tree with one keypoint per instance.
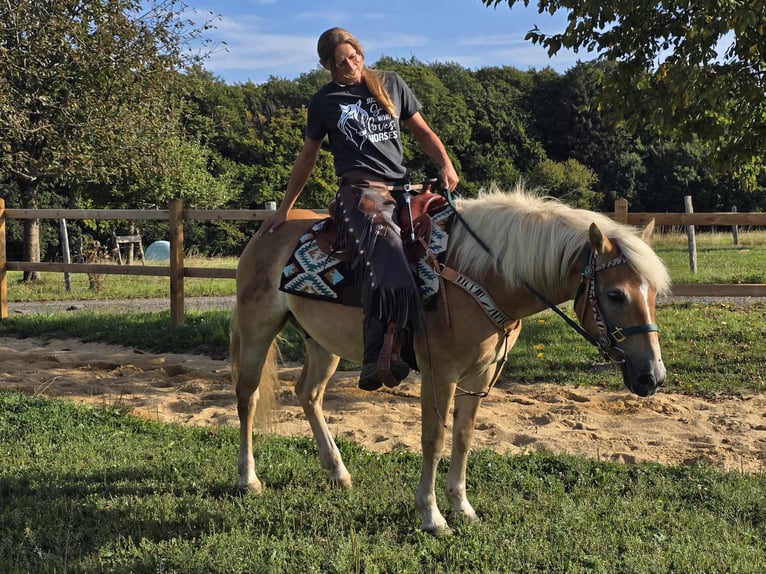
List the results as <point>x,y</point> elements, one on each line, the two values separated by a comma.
<point>88,93</point>
<point>669,73</point>
<point>570,123</point>
<point>568,180</point>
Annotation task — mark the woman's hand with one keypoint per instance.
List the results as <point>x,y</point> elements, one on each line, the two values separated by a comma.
<point>448,177</point>
<point>273,222</point>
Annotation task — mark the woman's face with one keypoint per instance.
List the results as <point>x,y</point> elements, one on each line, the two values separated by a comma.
<point>347,65</point>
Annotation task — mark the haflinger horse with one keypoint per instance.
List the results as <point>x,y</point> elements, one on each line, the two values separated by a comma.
<point>524,253</point>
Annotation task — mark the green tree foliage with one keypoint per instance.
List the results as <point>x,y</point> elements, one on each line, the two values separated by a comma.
<point>674,171</point>
<point>569,180</point>
<point>695,69</point>
<point>88,93</point>
<point>274,143</point>
<point>445,112</point>
<point>496,146</point>
<point>570,122</point>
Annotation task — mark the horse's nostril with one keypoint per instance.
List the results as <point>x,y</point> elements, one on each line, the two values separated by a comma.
<point>648,381</point>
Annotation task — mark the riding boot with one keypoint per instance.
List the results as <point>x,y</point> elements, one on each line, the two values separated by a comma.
<point>382,363</point>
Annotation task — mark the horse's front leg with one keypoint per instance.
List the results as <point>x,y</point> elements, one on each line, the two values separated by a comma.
<point>435,401</point>
<point>318,367</point>
<point>464,419</point>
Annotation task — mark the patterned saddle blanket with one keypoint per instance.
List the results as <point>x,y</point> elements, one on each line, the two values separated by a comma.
<point>315,273</point>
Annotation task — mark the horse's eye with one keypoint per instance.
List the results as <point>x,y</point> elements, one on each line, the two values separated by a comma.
<point>617,296</point>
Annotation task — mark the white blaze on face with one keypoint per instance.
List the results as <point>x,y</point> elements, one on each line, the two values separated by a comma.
<point>644,290</point>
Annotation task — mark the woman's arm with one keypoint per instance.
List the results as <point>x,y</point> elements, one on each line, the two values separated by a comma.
<point>302,168</point>
<point>433,146</point>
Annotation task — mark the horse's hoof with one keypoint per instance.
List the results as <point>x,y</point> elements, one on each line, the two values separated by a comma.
<point>341,483</point>
<point>437,531</point>
<point>251,488</point>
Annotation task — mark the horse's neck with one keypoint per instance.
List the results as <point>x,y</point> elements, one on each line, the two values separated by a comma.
<point>520,302</point>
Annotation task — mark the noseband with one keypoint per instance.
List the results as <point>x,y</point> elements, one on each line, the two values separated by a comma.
<point>610,335</point>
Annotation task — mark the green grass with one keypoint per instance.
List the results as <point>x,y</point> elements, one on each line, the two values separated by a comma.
<point>86,489</point>
<point>707,349</point>
<point>205,333</point>
<point>93,489</point>
<point>51,285</point>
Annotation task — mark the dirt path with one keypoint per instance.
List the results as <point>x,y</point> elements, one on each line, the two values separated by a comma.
<point>729,433</point>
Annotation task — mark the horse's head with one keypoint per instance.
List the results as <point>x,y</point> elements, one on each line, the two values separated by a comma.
<point>616,306</point>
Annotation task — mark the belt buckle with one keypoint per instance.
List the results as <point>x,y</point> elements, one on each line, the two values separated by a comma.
<point>406,187</point>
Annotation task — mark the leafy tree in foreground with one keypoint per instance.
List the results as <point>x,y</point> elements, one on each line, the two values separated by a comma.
<point>671,74</point>
<point>87,94</point>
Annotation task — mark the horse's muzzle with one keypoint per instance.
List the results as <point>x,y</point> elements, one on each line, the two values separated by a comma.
<point>644,383</point>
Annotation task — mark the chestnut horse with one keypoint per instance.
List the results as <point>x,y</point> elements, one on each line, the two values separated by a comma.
<point>533,253</point>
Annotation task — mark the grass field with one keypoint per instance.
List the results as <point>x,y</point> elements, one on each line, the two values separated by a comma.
<point>84,489</point>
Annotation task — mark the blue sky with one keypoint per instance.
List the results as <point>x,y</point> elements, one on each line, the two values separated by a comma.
<point>267,38</point>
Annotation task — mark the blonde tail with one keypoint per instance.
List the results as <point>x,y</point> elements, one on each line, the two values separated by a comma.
<point>266,393</point>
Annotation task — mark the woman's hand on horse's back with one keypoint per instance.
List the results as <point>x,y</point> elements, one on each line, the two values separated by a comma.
<point>273,222</point>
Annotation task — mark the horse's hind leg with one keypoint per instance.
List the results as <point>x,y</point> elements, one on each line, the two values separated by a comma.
<point>318,367</point>
<point>254,369</point>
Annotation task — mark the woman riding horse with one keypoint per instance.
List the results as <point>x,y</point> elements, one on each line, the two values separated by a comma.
<point>359,112</point>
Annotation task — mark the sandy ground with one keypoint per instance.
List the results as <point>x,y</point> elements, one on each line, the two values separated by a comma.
<point>729,433</point>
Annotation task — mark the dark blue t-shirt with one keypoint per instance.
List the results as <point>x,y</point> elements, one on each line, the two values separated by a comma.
<point>362,134</point>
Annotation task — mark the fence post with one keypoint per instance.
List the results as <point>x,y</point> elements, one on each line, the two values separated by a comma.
<point>691,236</point>
<point>65,254</point>
<point>3,259</point>
<point>735,228</point>
<point>175,216</point>
<point>621,210</point>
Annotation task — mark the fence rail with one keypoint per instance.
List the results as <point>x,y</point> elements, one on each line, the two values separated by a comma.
<point>175,215</point>
<point>720,218</point>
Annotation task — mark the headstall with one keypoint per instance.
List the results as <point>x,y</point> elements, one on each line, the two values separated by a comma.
<point>610,335</point>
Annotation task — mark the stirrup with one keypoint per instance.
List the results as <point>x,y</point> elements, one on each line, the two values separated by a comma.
<point>391,369</point>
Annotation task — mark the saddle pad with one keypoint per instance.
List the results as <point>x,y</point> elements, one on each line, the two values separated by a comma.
<point>312,273</point>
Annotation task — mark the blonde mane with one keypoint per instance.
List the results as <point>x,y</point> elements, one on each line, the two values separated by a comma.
<point>536,239</point>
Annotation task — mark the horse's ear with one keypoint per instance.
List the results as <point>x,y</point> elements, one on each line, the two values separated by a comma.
<point>598,241</point>
<point>646,233</point>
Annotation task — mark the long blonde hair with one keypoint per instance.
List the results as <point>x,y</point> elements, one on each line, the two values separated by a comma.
<point>334,37</point>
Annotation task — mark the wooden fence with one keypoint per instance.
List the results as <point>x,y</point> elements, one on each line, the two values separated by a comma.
<point>175,215</point>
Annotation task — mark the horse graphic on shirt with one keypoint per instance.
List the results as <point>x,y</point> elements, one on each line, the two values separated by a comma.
<point>353,123</point>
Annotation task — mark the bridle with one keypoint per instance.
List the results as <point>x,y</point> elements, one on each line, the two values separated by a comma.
<point>611,336</point>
